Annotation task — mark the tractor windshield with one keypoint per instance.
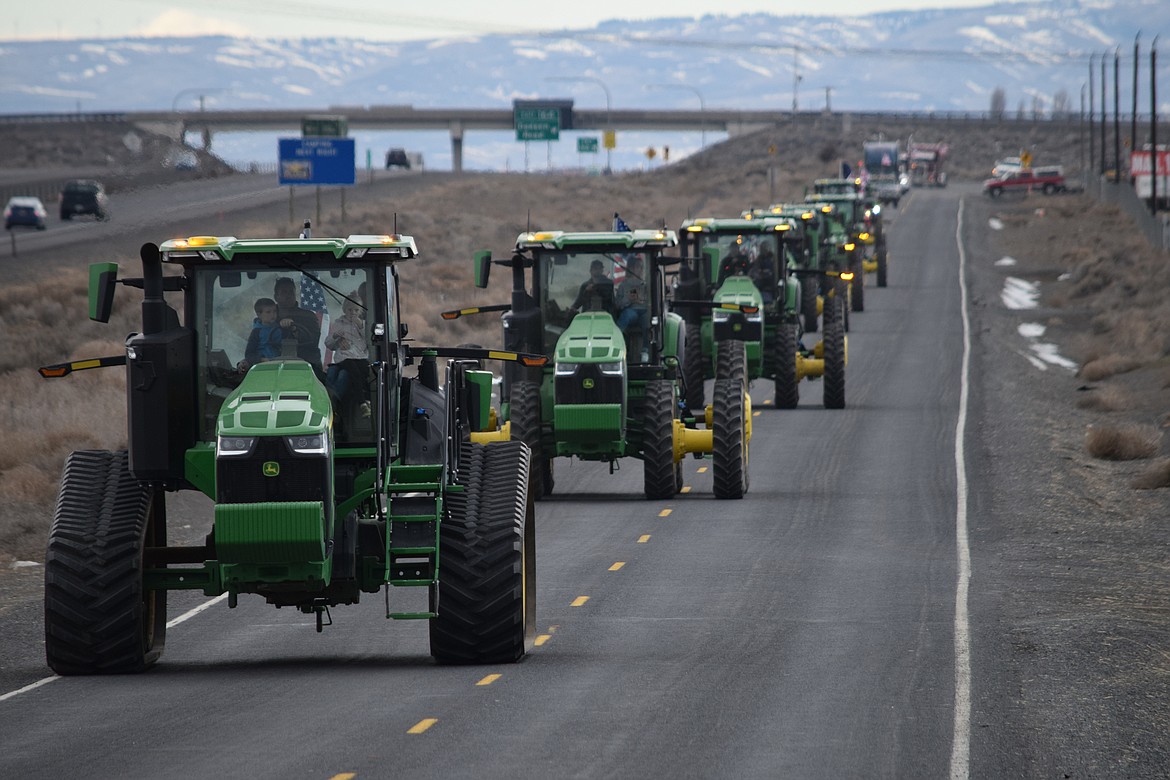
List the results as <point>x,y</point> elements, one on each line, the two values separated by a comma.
<point>575,281</point>
<point>321,314</point>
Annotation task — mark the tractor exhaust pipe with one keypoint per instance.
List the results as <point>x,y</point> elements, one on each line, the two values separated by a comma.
<point>154,305</point>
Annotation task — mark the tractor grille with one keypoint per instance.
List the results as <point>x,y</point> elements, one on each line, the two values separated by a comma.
<point>301,478</point>
<point>589,386</point>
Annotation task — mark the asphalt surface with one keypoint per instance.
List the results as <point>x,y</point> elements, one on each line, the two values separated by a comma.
<point>807,630</point>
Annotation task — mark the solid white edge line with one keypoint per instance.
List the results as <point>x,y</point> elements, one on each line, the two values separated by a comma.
<point>185,616</point>
<point>961,737</point>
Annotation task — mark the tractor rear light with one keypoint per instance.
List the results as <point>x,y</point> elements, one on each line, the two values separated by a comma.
<point>315,444</point>
<point>566,369</point>
<point>234,446</point>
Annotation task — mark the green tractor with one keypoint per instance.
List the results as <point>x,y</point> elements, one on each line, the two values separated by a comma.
<point>333,474</point>
<point>739,290</point>
<point>863,213</point>
<point>844,249</point>
<point>594,303</point>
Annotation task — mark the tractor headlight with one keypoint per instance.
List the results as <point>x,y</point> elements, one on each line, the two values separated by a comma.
<point>313,444</point>
<point>234,446</point>
<point>757,317</point>
<point>613,369</point>
<point>720,315</point>
<point>566,369</point>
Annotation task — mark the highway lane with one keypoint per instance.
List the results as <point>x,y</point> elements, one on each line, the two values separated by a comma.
<point>804,631</point>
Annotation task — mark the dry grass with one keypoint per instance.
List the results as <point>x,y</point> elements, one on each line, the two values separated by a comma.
<point>1102,368</point>
<point>1126,442</point>
<point>1108,398</point>
<point>1156,476</point>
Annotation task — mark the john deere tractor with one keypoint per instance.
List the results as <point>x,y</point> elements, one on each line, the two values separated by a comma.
<point>594,303</point>
<point>739,291</point>
<point>333,475</point>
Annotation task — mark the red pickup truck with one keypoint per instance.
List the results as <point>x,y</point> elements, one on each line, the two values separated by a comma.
<point>1047,180</point>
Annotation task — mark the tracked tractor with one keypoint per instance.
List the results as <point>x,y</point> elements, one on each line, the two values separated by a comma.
<point>759,264</point>
<point>323,490</point>
<point>594,304</point>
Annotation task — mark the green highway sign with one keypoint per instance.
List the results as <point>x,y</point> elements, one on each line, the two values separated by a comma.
<point>587,145</point>
<point>537,124</point>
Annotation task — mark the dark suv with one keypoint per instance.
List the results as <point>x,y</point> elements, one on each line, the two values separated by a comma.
<point>84,196</point>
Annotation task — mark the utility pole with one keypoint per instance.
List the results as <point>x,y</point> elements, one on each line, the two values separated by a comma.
<point>1092,121</point>
<point>1133,117</point>
<point>828,100</point>
<point>1116,118</point>
<point>795,79</point>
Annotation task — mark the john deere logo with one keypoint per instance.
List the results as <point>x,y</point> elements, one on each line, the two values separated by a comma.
<point>587,384</point>
<point>271,468</point>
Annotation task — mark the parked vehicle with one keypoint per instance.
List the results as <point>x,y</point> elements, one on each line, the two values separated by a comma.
<point>26,211</point>
<point>84,196</point>
<point>1049,180</point>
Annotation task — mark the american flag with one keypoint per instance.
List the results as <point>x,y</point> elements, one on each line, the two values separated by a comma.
<point>313,299</point>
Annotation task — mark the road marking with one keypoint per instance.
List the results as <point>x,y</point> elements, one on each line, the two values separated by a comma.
<point>46,680</point>
<point>344,776</point>
<point>540,640</point>
<point>422,725</point>
<point>664,513</point>
<point>702,470</point>
<point>685,489</point>
<point>755,414</point>
<point>491,678</point>
<point>617,566</point>
<point>579,601</point>
<point>643,538</point>
<point>961,736</point>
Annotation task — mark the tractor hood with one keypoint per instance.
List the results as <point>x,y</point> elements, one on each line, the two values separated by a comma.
<point>278,398</point>
<point>592,337</point>
<point>739,289</point>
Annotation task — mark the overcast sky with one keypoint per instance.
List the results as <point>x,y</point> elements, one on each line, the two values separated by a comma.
<point>383,19</point>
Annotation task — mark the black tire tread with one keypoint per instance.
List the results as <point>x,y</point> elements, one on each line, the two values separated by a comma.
<point>834,356</point>
<point>729,451</point>
<point>658,465</point>
<point>787,394</point>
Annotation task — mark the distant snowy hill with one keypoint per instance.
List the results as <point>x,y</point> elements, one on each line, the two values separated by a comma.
<point>941,60</point>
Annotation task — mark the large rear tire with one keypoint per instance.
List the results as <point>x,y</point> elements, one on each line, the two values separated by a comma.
<point>787,383</point>
<point>487,560</point>
<point>694,368</point>
<point>731,360</point>
<point>729,439</point>
<point>524,414</point>
<point>99,618</point>
<point>658,465</point>
<point>833,347</point>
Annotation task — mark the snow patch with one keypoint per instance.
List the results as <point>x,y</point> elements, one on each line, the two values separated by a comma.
<point>1019,293</point>
<point>1043,354</point>
<point>1031,330</point>
<point>1005,261</point>
<point>995,224</point>
<point>24,564</point>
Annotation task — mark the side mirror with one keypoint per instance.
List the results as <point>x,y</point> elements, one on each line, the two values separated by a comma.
<point>103,277</point>
<point>483,267</point>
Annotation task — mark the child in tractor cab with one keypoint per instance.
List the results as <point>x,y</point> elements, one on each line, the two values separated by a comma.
<point>347,339</point>
<point>265,338</point>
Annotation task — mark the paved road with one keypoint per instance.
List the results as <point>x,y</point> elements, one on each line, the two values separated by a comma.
<point>805,631</point>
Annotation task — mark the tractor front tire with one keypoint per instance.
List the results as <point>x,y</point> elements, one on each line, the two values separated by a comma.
<point>834,354</point>
<point>857,290</point>
<point>694,368</point>
<point>526,427</point>
<point>99,618</point>
<point>731,360</point>
<point>808,304</point>
<point>658,440</point>
<point>729,439</point>
<point>487,560</point>
<point>883,265</point>
<point>787,394</point>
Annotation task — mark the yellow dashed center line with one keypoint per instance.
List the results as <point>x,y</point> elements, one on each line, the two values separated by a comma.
<point>702,470</point>
<point>755,414</point>
<point>491,678</point>
<point>664,513</point>
<point>422,725</point>
<point>579,601</point>
<point>643,538</point>
<point>617,566</point>
<point>540,640</point>
<point>685,489</point>
<point>344,776</point>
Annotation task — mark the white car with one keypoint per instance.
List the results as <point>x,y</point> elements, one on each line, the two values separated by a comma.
<point>1005,166</point>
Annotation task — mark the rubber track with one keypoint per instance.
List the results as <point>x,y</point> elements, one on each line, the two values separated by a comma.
<point>481,583</point>
<point>526,427</point>
<point>94,612</point>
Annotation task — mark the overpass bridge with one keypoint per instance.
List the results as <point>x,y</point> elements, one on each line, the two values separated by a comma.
<point>458,121</point>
